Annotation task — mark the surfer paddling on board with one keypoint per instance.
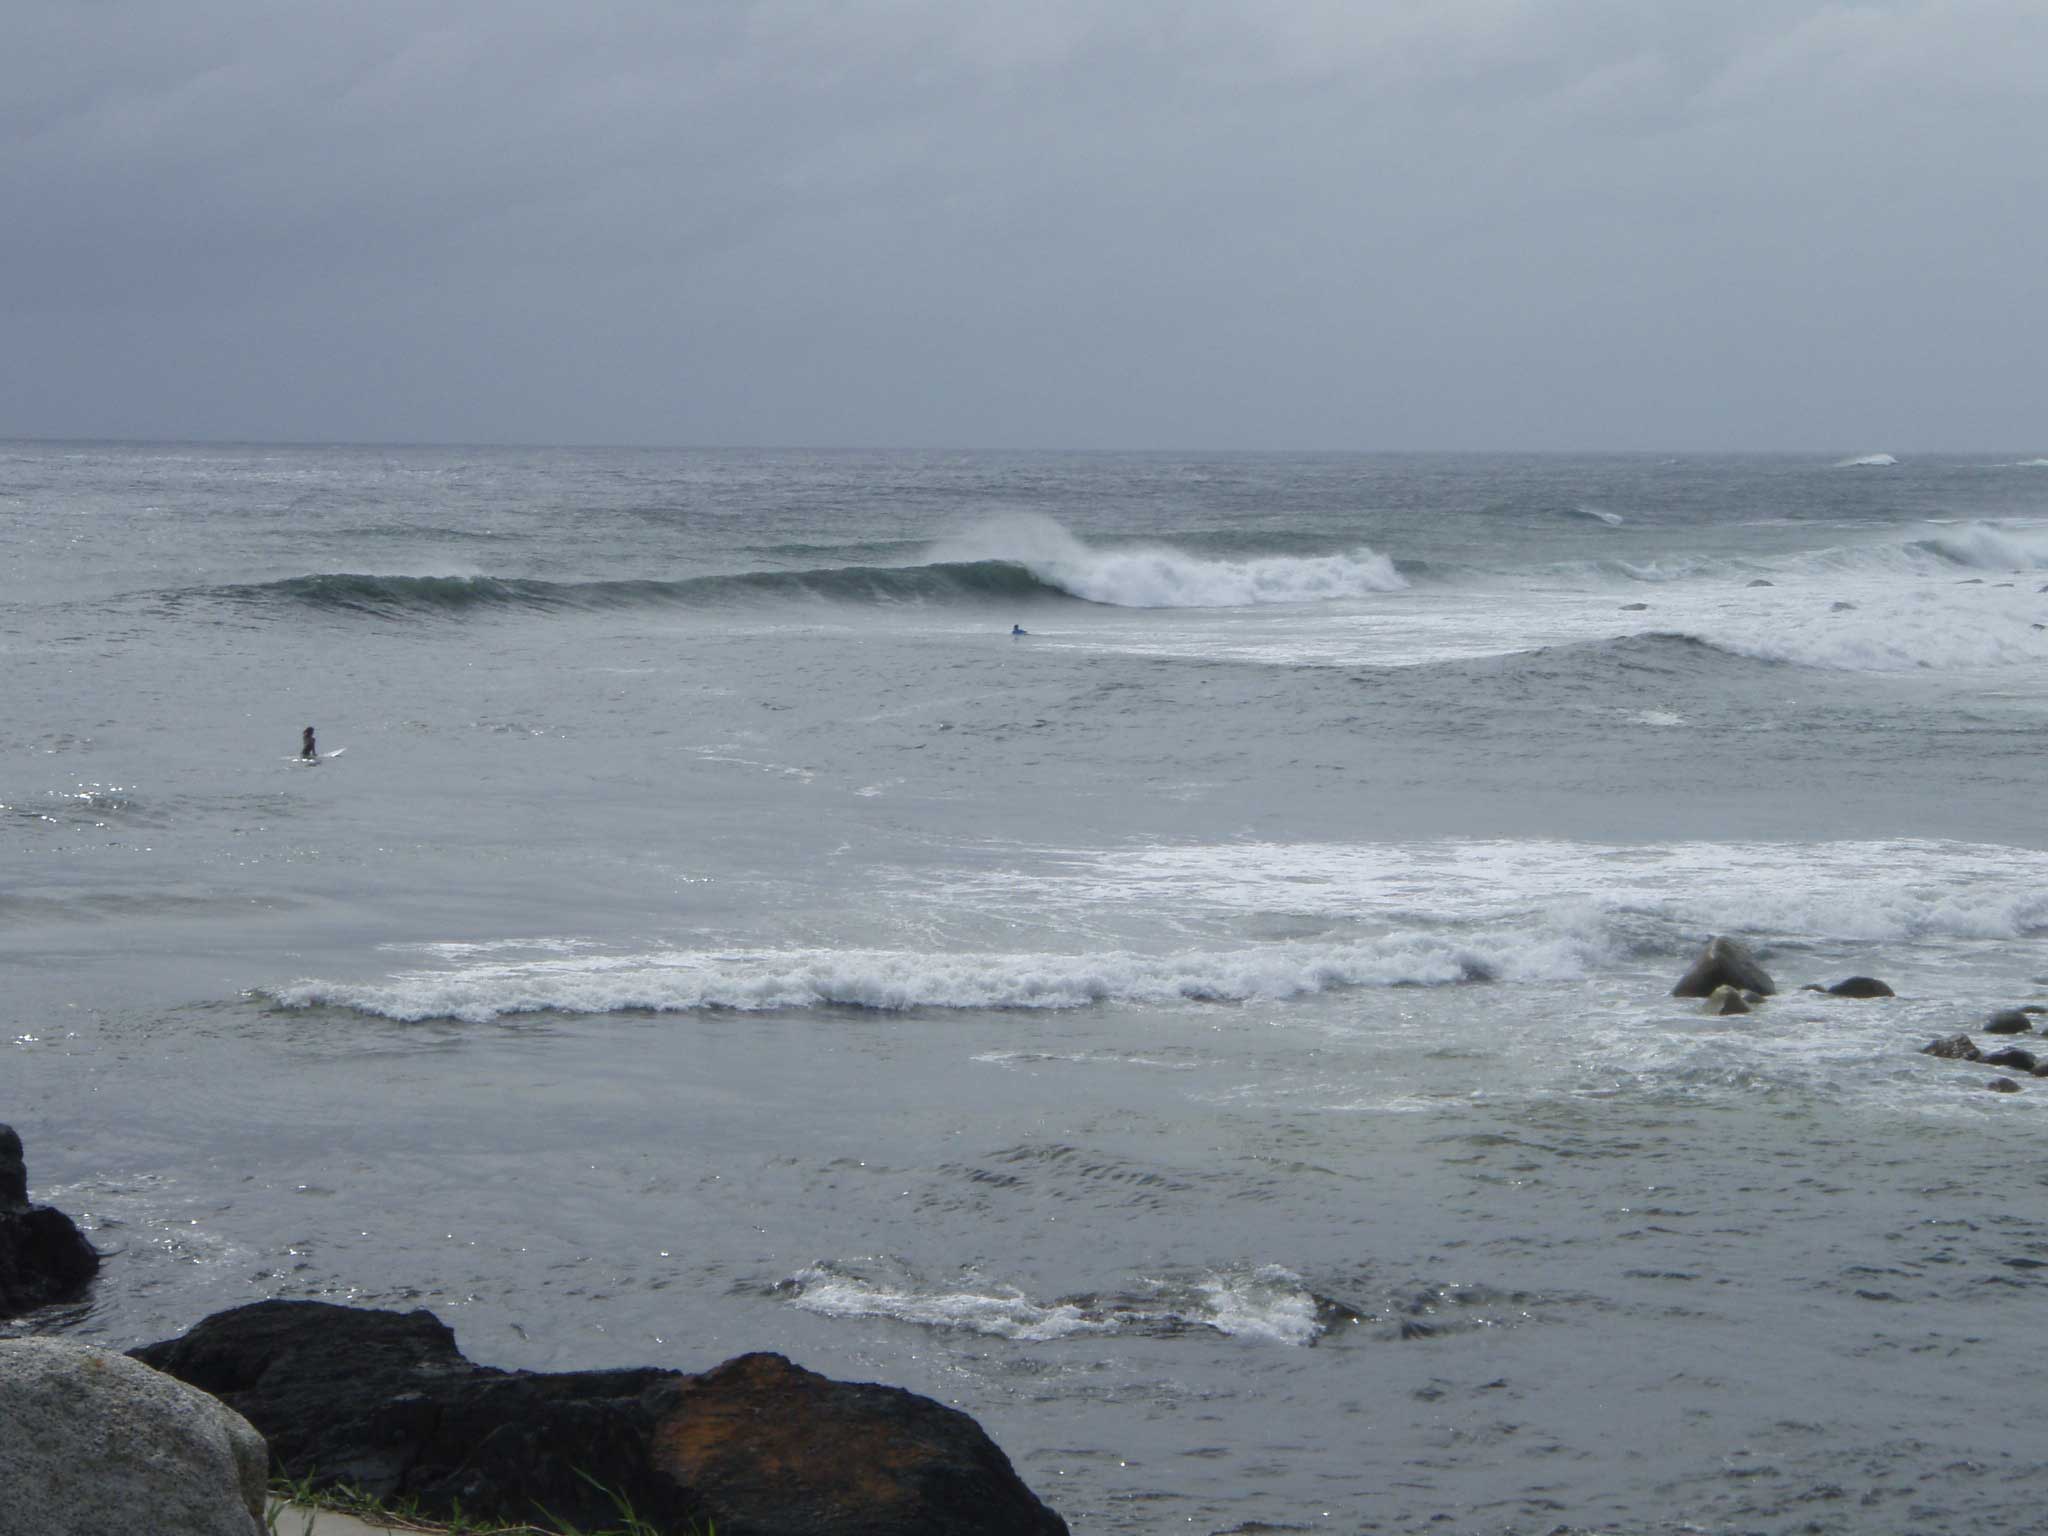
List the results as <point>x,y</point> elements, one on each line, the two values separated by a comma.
<point>307,750</point>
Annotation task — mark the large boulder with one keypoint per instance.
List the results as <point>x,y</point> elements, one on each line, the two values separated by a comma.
<point>1725,962</point>
<point>43,1255</point>
<point>93,1442</point>
<point>385,1402</point>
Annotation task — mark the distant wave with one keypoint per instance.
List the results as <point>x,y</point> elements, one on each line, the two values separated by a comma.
<point>1046,564</point>
<point>1160,576</point>
<point>1867,461</point>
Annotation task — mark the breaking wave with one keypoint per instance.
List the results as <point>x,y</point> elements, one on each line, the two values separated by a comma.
<point>895,980</point>
<point>1159,576</point>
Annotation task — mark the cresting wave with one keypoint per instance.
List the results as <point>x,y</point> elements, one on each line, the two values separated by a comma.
<point>895,980</point>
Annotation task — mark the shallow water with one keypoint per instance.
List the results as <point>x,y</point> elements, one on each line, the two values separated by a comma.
<point>1218,1039</point>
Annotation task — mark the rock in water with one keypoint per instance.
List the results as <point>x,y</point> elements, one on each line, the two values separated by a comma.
<point>1954,1048</point>
<point>2009,1021</point>
<point>1725,962</point>
<point>1727,1000</point>
<point>1861,986</point>
<point>93,1442</point>
<point>43,1255</point>
<point>756,1447</point>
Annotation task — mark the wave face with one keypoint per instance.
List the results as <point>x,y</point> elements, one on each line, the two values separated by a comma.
<point>396,597</point>
<point>1162,577</point>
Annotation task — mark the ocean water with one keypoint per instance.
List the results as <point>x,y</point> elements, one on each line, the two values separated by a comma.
<point>1219,1038</point>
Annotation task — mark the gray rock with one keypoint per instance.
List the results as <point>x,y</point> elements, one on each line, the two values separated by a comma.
<point>95,1442</point>
<point>1954,1048</point>
<point>1726,1000</point>
<point>2009,1021</point>
<point>1861,986</point>
<point>1725,962</point>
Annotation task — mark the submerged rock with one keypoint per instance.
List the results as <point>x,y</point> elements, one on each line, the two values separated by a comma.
<point>1725,962</point>
<point>1954,1048</point>
<point>757,1447</point>
<point>92,1442</point>
<point>1860,986</point>
<point>2009,1021</point>
<point>43,1255</point>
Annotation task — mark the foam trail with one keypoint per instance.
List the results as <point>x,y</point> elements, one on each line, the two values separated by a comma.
<point>1163,577</point>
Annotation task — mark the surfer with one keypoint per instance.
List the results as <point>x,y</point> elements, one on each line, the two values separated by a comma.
<point>307,750</point>
<point>1018,629</point>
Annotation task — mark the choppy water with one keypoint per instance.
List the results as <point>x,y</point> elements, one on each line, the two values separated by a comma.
<point>1218,1038</point>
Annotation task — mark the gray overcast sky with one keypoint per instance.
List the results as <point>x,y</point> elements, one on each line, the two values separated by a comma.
<point>1118,223</point>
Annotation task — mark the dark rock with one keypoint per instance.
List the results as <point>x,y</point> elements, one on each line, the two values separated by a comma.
<point>757,1447</point>
<point>1954,1048</point>
<point>1724,962</point>
<point>1861,986</point>
<point>43,1256</point>
<point>2003,1085</point>
<point>2009,1021</point>
<point>2011,1056</point>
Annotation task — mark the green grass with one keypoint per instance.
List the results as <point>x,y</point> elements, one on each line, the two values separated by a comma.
<point>304,1499</point>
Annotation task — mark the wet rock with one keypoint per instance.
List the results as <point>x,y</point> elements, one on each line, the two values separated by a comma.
<point>2011,1056</point>
<point>1725,962</point>
<point>386,1402</point>
<point>1954,1048</point>
<point>1860,986</point>
<point>1725,1000</point>
<point>96,1442</point>
<point>43,1255</point>
<point>2003,1085</point>
<point>2009,1021</point>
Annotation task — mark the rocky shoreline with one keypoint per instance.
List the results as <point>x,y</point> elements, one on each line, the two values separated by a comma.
<point>384,1404</point>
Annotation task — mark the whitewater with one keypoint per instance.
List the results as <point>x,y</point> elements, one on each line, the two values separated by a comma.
<point>1220,1036</point>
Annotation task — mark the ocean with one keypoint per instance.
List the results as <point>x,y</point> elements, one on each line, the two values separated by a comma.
<point>1218,1037</point>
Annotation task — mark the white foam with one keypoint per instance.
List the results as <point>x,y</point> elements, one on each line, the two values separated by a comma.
<point>1269,1304</point>
<point>1163,577</point>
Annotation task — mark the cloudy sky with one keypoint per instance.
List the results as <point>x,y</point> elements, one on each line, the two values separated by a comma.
<point>1061,223</point>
